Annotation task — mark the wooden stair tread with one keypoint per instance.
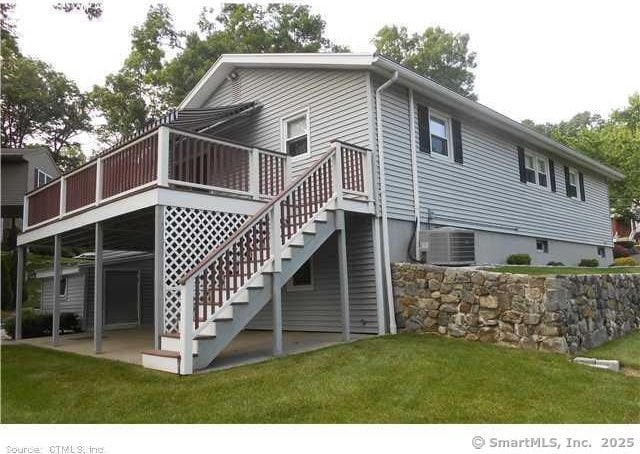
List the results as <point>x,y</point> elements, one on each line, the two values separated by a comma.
<point>164,353</point>
<point>198,337</point>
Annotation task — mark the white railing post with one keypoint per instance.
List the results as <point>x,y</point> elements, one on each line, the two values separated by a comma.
<point>163,156</point>
<point>63,196</point>
<point>368,174</point>
<point>98,181</point>
<point>337,170</point>
<point>276,237</point>
<point>25,213</point>
<point>254,173</point>
<point>186,328</point>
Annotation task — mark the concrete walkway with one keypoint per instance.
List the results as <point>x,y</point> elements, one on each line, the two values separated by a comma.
<point>247,348</point>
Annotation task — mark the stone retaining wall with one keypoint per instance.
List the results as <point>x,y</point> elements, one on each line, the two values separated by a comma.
<point>557,313</point>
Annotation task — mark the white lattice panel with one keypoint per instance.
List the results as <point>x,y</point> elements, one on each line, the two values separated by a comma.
<point>189,235</point>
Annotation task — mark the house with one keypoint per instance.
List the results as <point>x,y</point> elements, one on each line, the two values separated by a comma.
<point>23,170</point>
<point>279,193</point>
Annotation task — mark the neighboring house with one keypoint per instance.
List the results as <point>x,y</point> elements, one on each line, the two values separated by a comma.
<point>283,188</point>
<point>23,170</point>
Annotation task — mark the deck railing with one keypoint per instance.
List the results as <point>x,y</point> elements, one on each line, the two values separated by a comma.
<point>166,157</point>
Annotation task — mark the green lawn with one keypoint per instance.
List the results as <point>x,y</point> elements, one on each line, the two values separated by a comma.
<point>515,269</point>
<point>402,379</point>
<point>625,349</point>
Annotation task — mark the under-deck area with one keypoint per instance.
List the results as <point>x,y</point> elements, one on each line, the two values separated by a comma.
<point>250,346</point>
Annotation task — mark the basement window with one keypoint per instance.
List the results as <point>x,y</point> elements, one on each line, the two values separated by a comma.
<point>303,278</point>
<point>542,246</point>
<point>602,252</point>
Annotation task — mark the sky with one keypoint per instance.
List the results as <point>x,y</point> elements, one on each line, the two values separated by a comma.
<point>543,60</point>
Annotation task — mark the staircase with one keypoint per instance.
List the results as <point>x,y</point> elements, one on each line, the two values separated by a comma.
<point>221,295</point>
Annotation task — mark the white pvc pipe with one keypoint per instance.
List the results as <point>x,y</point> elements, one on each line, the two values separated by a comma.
<point>383,203</point>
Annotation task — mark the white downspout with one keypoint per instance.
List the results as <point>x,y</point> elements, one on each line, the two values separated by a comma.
<point>383,205</point>
<point>414,171</point>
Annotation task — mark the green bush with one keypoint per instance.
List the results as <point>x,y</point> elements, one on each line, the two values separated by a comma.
<point>625,261</point>
<point>519,259</point>
<point>8,280</point>
<point>591,263</point>
<point>555,264</point>
<point>38,324</point>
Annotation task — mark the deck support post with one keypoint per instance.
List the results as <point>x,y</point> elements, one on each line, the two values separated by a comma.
<point>276,303</point>
<point>379,277</point>
<point>276,278</point>
<point>57,252</point>
<point>344,274</point>
<point>98,286</point>
<point>158,276</point>
<point>19,283</point>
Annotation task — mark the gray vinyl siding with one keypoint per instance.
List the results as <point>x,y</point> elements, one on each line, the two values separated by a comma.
<point>73,301</point>
<point>319,309</point>
<point>14,182</point>
<point>146,287</point>
<point>485,193</point>
<point>40,159</point>
<point>337,103</point>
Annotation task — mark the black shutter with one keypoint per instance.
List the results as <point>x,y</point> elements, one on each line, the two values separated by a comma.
<point>457,140</point>
<point>523,173</point>
<point>581,179</point>
<point>423,128</point>
<point>567,182</point>
<point>552,175</point>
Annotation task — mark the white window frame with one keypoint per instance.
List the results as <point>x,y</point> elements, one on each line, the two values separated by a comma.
<point>291,287</point>
<point>536,157</point>
<point>283,132</point>
<point>47,178</point>
<point>66,286</point>
<point>447,119</point>
<point>578,192</point>
<point>544,242</point>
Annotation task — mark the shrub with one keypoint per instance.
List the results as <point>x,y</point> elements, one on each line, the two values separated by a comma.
<point>38,324</point>
<point>625,261</point>
<point>519,259</point>
<point>620,251</point>
<point>592,263</point>
<point>555,264</point>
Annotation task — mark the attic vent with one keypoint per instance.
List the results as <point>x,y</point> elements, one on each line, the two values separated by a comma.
<point>236,89</point>
<point>448,246</point>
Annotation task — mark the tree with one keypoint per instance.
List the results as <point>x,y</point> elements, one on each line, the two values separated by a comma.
<point>149,83</point>
<point>39,105</point>
<point>437,54</point>
<point>615,141</point>
<point>93,10</point>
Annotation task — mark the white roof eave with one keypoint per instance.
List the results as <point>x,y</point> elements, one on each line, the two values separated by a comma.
<point>227,62</point>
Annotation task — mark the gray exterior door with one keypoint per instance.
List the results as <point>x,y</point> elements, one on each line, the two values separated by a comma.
<point>122,298</point>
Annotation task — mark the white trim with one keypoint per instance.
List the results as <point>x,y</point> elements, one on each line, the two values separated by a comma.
<point>578,197</point>
<point>291,287</point>
<point>283,133</point>
<point>414,170</point>
<point>535,155</point>
<point>47,274</point>
<point>545,242</point>
<point>447,119</point>
<point>47,178</point>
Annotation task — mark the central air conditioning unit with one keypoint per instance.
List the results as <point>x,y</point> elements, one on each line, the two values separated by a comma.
<point>447,246</point>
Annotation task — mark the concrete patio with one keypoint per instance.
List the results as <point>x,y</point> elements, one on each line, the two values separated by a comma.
<point>248,347</point>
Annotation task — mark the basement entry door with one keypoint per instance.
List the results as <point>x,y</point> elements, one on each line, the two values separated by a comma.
<point>122,298</point>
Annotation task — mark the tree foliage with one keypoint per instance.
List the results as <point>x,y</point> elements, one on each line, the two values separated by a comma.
<point>615,141</point>
<point>93,10</point>
<point>437,54</point>
<point>39,104</point>
<point>150,82</point>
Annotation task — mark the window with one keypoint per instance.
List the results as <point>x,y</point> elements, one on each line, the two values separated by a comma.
<point>296,135</point>
<point>542,246</point>
<point>63,286</point>
<point>601,252</point>
<point>439,129</point>
<point>41,178</point>
<point>303,278</point>
<point>572,188</point>
<point>536,170</point>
